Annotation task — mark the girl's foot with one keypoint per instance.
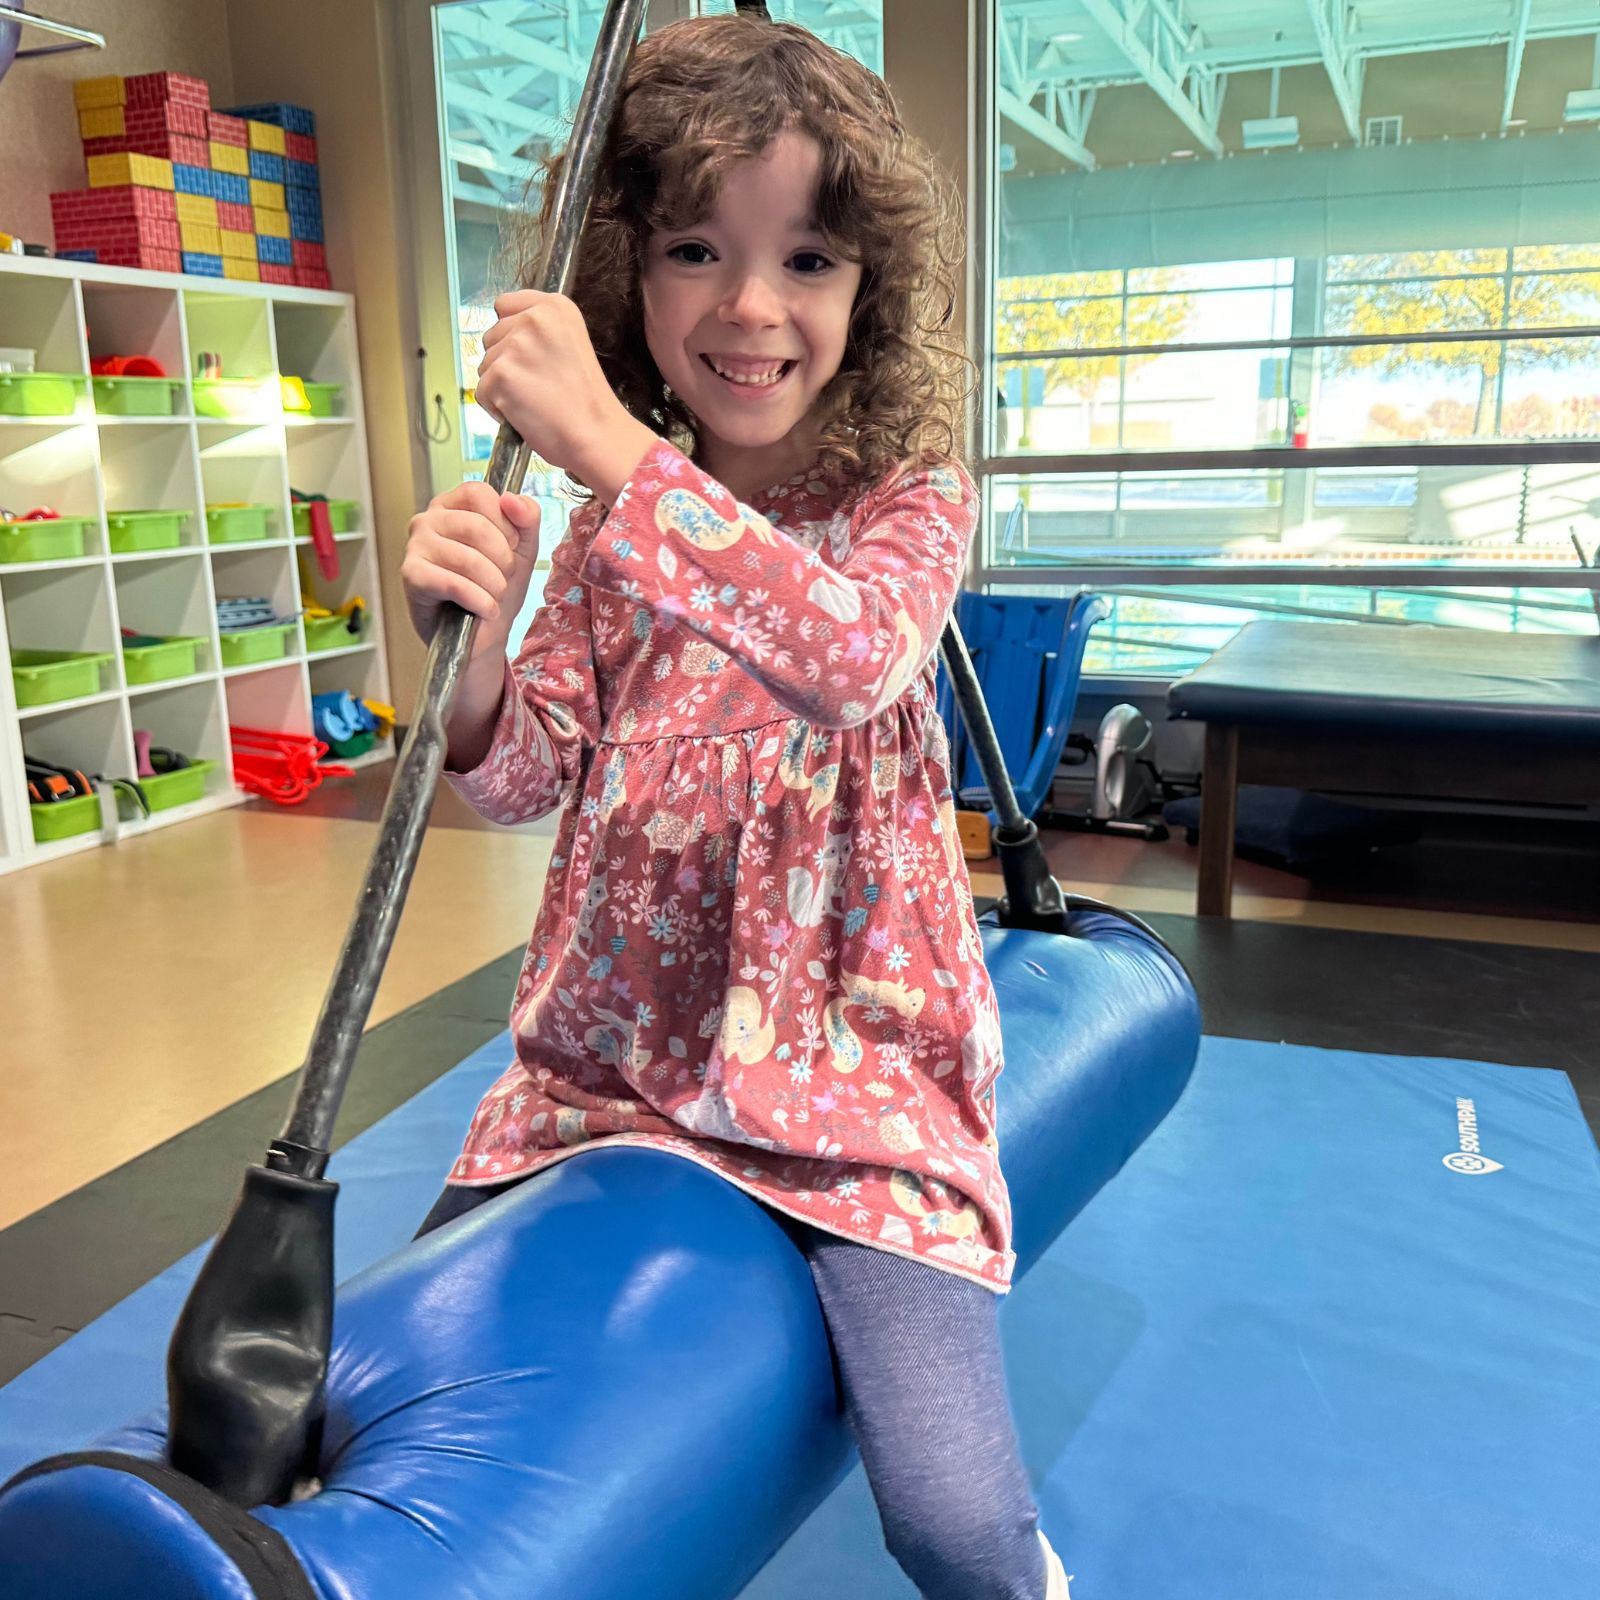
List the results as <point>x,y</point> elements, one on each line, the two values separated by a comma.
<point>1058,1584</point>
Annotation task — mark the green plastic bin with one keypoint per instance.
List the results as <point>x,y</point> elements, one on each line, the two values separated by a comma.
<point>42,677</point>
<point>235,399</point>
<point>332,633</point>
<point>327,399</point>
<point>65,819</point>
<point>155,663</point>
<point>237,524</point>
<point>341,517</point>
<point>181,788</point>
<point>39,394</point>
<point>60,540</point>
<point>129,531</point>
<point>136,397</point>
<point>255,644</point>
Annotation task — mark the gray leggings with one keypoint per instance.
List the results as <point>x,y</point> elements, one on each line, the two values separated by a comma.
<point>918,1352</point>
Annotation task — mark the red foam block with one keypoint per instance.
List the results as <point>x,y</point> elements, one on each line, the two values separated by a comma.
<point>154,88</point>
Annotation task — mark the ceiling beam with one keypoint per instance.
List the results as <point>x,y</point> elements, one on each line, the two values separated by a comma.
<point>1514,49</point>
<point>1159,41</point>
<point>1345,68</point>
<point>464,22</point>
<point>1018,112</point>
<point>486,108</point>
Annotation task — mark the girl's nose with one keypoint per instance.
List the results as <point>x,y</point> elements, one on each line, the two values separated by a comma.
<point>751,303</point>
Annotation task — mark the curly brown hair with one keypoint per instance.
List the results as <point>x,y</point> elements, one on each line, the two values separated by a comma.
<point>709,91</point>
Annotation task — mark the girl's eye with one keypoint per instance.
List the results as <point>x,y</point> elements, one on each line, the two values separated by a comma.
<point>691,252</point>
<point>810,262</point>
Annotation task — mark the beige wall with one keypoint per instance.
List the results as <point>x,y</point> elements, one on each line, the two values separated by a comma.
<point>929,60</point>
<point>38,124</point>
<point>342,59</point>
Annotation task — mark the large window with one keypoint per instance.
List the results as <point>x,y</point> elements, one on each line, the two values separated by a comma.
<point>1236,271</point>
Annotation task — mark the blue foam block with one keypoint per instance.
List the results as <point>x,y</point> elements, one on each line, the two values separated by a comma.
<point>193,180</point>
<point>264,164</point>
<point>302,174</point>
<point>278,251</point>
<point>202,264</point>
<point>232,187</point>
<point>295,118</point>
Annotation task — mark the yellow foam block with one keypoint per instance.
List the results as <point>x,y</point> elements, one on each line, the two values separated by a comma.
<point>88,93</point>
<point>102,122</point>
<point>240,245</point>
<point>238,267</point>
<point>267,136</point>
<point>230,158</point>
<point>199,208</point>
<point>201,238</point>
<point>268,194</point>
<point>274,224</point>
<point>149,172</point>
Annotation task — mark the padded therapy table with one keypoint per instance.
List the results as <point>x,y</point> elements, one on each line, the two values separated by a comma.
<point>1428,713</point>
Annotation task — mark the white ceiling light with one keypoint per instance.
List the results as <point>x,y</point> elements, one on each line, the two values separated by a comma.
<point>1270,132</point>
<point>1583,105</point>
<point>1066,38</point>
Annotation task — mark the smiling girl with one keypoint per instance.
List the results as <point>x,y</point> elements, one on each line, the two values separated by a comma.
<point>757,947</point>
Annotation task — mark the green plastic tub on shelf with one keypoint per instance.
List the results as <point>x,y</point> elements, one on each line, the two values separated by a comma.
<point>331,633</point>
<point>136,397</point>
<point>129,531</point>
<point>250,645</point>
<point>327,399</point>
<point>155,663</point>
<point>39,394</point>
<point>181,788</point>
<point>237,524</point>
<point>60,540</point>
<point>44,676</point>
<point>65,819</point>
<point>341,517</point>
<point>236,399</point>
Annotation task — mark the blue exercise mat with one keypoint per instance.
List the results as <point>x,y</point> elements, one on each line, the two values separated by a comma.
<point>1291,1354</point>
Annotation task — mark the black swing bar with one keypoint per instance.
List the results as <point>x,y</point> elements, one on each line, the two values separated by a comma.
<point>247,1365</point>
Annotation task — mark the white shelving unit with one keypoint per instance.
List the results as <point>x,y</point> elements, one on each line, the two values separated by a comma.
<point>71,313</point>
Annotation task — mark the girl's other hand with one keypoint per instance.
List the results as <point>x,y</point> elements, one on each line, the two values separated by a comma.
<point>476,549</point>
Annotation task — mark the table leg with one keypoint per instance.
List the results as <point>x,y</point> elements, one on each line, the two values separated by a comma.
<point>1219,813</point>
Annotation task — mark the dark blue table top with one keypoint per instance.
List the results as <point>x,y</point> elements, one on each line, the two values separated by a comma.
<point>1446,679</point>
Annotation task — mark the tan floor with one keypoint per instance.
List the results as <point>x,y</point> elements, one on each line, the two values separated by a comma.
<point>1430,924</point>
<point>149,986</point>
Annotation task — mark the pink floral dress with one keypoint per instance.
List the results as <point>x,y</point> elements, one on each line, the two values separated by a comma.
<point>757,947</point>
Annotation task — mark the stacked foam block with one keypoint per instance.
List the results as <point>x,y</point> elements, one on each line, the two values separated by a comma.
<point>176,186</point>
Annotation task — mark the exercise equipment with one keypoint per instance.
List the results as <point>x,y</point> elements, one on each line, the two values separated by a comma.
<point>526,1384</point>
<point>1027,654</point>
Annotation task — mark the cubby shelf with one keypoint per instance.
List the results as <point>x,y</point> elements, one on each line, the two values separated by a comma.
<point>85,465</point>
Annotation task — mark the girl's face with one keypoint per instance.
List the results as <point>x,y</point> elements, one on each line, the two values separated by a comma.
<point>746,314</point>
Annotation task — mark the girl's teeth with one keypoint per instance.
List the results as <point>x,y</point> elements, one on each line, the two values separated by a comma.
<point>754,380</point>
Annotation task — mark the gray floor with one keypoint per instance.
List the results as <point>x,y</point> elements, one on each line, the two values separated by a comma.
<point>73,1259</point>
